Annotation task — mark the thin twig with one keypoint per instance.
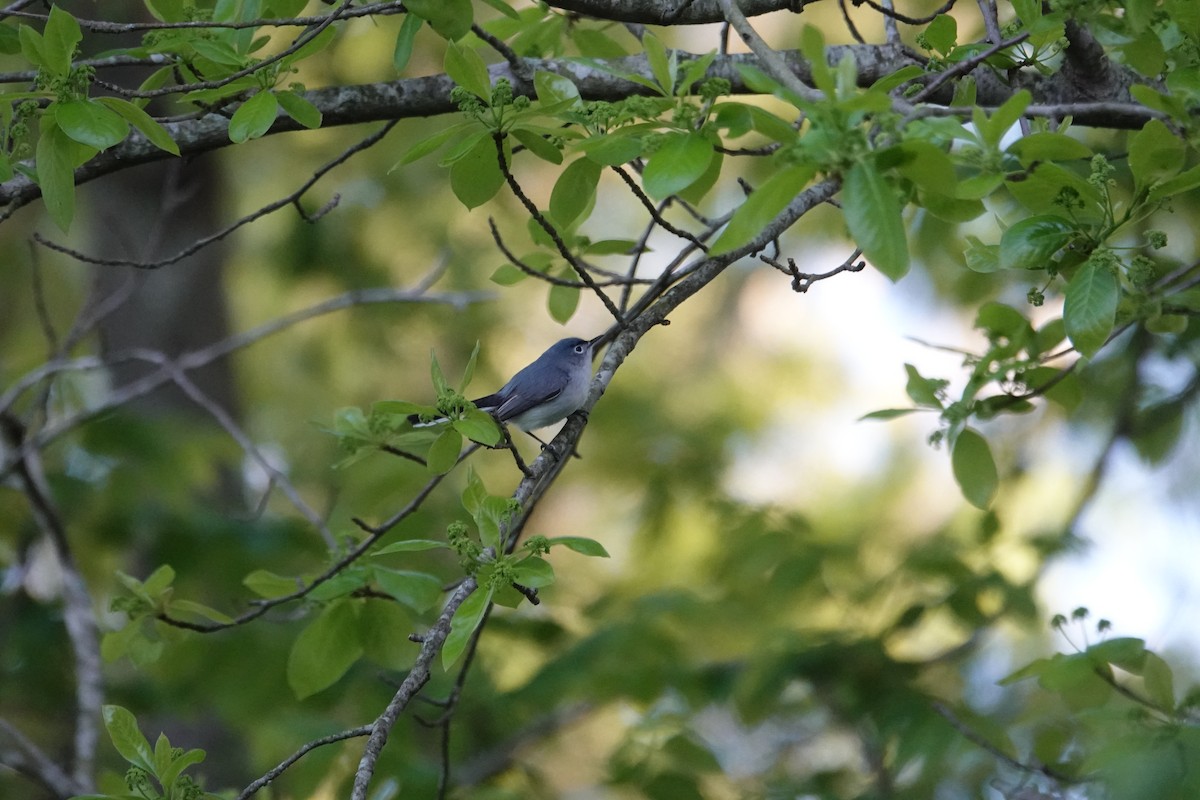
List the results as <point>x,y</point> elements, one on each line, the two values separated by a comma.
<point>655,214</point>
<point>971,735</point>
<point>290,199</point>
<point>552,232</point>
<point>771,60</point>
<point>801,281</point>
<point>964,67</point>
<point>226,421</point>
<point>250,790</point>
<point>118,28</point>
<point>196,359</point>
<point>20,754</point>
<point>310,33</point>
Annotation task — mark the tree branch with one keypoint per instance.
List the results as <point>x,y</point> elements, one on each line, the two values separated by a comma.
<point>78,617</point>
<point>666,12</point>
<point>252,789</point>
<point>418,676</point>
<point>430,96</point>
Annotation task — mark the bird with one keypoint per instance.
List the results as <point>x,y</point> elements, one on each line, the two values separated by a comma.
<point>547,391</point>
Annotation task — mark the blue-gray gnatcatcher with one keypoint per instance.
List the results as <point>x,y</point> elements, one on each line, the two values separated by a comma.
<point>549,390</point>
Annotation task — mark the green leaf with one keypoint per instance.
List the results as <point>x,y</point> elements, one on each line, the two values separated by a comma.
<point>148,126</point>
<point>537,144</point>
<point>941,35</point>
<point>469,369</point>
<point>466,619</point>
<point>1032,242</point>
<point>450,18</point>
<point>888,413</point>
<point>872,214</point>
<point>324,650</point>
<point>466,68</point>
<point>974,469</point>
<point>534,572</point>
<point>90,123</point>
<point>55,165</point>
<point>200,610</point>
<point>508,275</point>
<point>417,590</point>
<point>595,43</point>
<point>31,45</point>
<point>923,163</point>
<point>893,80</point>
<point>954,209</point>
<point>612,247</point>
<point>1159,682</point>
<point>660,63</point>
<point>574,191</point>
<point>118,643</point>
<point>998,321</point>
<point>1040,190</point>
<point>400,408</point>
<point>553,89</point>
<point>430,143</point>
<point>159,581</point>
<point>405,38</point>
<point>1157,429</point>
<point>923,391</point>
<point>612,149</point>
<point>59,39</point>
<point>981,257</point>
<point>170,773</point>
<point>504,8</point>
<point>1185,14</point>
<point>1145,53</point>
<point>299,108</point>
<point>221,53</point>
<point>443,453</point>
<point>681,160</point>
<point>1005,117</point>
<point>1126,652</point>
<point>10,40</point>
<point>562,302</point>
<point>1090,308</point>
<point>478,426</point>
<point>699,188</point>
<point>812,47</point>
<point>1183,182</point>
<point>1048,146</point>
<point>474,494</point>
<point>123,729</point>
<point>1155,154</point>
<point>253,118</point>
<point>436,376</point>
<point>476,177</point>
<point>762,206</point>
<point>265,583</point>
<point>580,544</point>
<point>409,545</point>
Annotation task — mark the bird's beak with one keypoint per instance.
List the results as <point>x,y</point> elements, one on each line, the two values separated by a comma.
<point>594,343</point>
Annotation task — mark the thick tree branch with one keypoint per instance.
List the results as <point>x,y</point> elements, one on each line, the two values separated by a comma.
<point>430,96</point>
<point>667,12</point>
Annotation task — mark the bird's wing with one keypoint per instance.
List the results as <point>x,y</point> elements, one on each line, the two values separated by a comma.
<point>506,405</point>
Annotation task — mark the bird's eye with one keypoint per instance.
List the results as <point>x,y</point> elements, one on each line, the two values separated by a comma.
<point>578,348</point>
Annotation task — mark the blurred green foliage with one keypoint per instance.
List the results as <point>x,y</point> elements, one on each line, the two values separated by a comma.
<point>772,622</point>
